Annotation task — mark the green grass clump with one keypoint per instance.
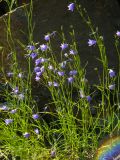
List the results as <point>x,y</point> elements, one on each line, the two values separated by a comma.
<point>71,131</point>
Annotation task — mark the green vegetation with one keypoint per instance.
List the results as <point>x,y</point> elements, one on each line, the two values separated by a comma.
<point>73,132</point>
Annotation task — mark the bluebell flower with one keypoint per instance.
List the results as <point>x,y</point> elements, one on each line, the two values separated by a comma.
<point>20,75</point>
<point>88,98</point>
<point>13,111</point>
<point>71,7</point>
<point>8,121</point>
<point>72,52</point>
<point>55,84</point>
<point>63,64</point>
<point>61,73</point>
<point>33,55</point>
<point>15,90</point>
<point>38,74</point>
<point>26,135</point>
<point>111,73</point>
<point>42,69</point>
<point>91,42</point>
<point>112,87</point>
<point>50,83</point>
<point>37,69</point>
<point>4,108</point>
<point>73,73</point>
<point>43,47</point>
<point>31,47</point>
<point>64,46</point>
<point>36,131</point>
<point>118,33</point>
<point>50,67</point>
<point>70,79</point>
<point>53,154</point>
<point>47,37</point>
<point>37,78</point>
<point>10,74</point>
<point>35,116</point>
<point>38,61</point>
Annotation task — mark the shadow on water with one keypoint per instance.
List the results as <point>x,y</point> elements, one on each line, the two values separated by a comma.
<point>50,15</point>
<point>4,6</point>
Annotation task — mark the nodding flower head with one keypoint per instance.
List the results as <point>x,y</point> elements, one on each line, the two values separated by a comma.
<point>71,7</point>
<point>43,47</point>
<point>38,74</point>
<point>30,47</point>
<point>35,116</point>
<point>61,73</point>
<point>55,84</point>
<point>15,90</point>
<point>53,154</point>
<point>26,135</point>
<point>111,73</point>
<point>39,61</point>
<point>112,86</point>
<point>70,79</point>
<point>63,64</point>
<point>36,131</point>
<point>73,73</point>
<point>4,108</point>
<point>20,75</point>
<point>118,33</point>
<point>50,83</point>
<point>33,55</point>
<point>88,98</point>
<point>8,121</point>
<point>42,69</point>
<point>72,52</point>
<point>64,46</point>
<point>13,111</point>
<point>91,42</point>
<point>47,37</point>
<point>37,78</point>
<point>50,67</point>
<point>10,74</point>
<point>37,69</point>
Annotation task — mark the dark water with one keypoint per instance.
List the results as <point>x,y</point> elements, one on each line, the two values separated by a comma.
<point>49,16</point>
<point>4,6</point>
